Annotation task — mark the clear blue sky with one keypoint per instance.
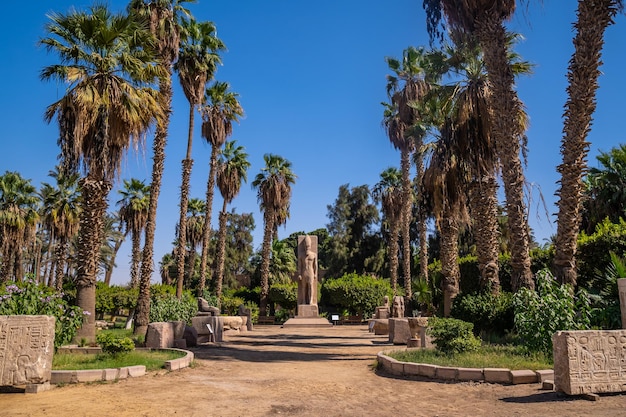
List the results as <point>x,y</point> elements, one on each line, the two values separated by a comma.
<point>311,76</point>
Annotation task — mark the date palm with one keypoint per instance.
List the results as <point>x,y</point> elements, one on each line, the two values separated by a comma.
<point>583,73</point>
<point>409,85</point>
<point>164,20</point>
<point>485,20</point>
<point>197,63</point>
<point>221,110</point>
<point>18,222</point>
<point>388,191</point>
<point>135,197</point>
<point>108,64</point>
<point>232,169</point>
<point>273,185</point>
<point>113,237</point>
<point>61,212</point>
<point>195,226</point>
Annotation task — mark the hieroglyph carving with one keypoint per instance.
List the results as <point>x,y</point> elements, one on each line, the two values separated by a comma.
<point>590,361</point>
<point>26,349</point>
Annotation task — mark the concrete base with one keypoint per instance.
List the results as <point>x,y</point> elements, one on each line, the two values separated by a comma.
<point>307,322</point>
<point>307,310</point>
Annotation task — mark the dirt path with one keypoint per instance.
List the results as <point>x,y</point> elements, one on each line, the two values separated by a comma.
<point>298,372</point>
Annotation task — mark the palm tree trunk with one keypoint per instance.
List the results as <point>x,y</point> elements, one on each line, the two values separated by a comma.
<point>583,74</point>
<point>394,234</point>
<point>61,251</point>
<point>158,161</point>
<point>109,269</point>
<point>184,200</point>
<point>94,194</point>
<point>221,250</point>
<point>407,202</point>
<point>484,208</point>
<point>265,263</point>
<point>449,253</point>
<point>135,259</point>
<point>421,215</point>
<point>506,130</point>
<point>206,231</point>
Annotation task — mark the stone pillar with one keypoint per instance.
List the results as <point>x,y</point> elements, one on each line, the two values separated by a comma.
<point>621,288</point>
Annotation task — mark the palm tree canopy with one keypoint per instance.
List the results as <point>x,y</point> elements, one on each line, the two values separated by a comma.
<point>18,204</point>
<point>232,169</point>
<point>61,204</point>
<point>134,204</point>
<point>108,64</point>
<point>221,109</point>
<point>389,192</point>
<point>273,186</point>
<point>198,58</point>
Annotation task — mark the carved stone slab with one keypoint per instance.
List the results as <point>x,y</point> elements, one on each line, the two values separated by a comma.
<point>590,361</point>
<point>26,349</point>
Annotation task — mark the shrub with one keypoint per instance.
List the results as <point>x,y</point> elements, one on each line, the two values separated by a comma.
<point>29,298</point>
<point>489,313</point>
<point>114,345</point>
<point>593,251</point>
<point>166,307</point>
<point>285,295</point>
<point>539,314</point>
<point>359,294</point>
<point>452,336</point>
<point>230,305</point>
<point>604,295</point>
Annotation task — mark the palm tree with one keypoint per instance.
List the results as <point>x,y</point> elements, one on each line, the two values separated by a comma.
<point>197,62</point>
<point>232,169</point>
<point>107,62</point>
<point>18,221</point>
<point>283,263</point>
<point>388,191</point>
<point>164,17</point>
<point>221,110</point>
<point>165,265</point>
<point>273,186</point>
<point>195,226</point>
<point>444,182</point>
<point>406,89</point>
<point>134,215</point>
<point>113,237</point>
<point>485,20</point>
<point>583,73</point>
<point>61,212</point>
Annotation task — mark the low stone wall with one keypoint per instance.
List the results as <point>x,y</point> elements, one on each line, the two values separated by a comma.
<point>589,361</point>
<point>447,373</point>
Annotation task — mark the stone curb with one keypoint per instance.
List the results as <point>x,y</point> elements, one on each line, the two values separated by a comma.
<point>113,374</point>
<point>447,373</point>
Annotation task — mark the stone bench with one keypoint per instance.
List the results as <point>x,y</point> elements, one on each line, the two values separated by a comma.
<point>266,320</point>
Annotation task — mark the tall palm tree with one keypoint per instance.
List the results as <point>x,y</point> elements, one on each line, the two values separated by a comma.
<point>113,237</point>
<point>134,201</point>
<point>197,63</point>
<point>164,17</point>
<point>221,110</point>
<point>444,182</point>
<point>61,212</point>
<point>408,86</point>
<point>273,186</point>
<point>283,263</point>
<point>195,226</point>
<point>232,169</point>
<point>18,221</point>
<point>583,73</point>
<point>388,191</point>
<point>107,62</point>
<point>485,19</point>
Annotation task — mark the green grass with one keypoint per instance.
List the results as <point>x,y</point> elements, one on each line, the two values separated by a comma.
<point>489,356</point>
<point>152,360</point>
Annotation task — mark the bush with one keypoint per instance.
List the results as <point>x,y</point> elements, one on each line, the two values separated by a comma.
<point>113,345</point>
<point>357,293</point>
<point>29,298</point>
<point>539,314</point>
<point>285,295</point>
<point>230,305</point>
<point>166,307</point>
<point>452,336</point>
<point>593,251</point>
<point>491,314</point>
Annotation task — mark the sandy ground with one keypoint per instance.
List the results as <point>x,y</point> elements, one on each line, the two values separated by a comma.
<point>298,372</point>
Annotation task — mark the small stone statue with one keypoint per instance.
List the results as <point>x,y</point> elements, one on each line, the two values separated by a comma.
<point>397,309</point>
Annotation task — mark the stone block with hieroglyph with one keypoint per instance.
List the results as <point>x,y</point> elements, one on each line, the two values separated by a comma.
<point>589,361</point>
<point>26,349</point>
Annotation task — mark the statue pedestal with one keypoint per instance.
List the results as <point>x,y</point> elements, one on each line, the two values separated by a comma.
<point>308,316</point>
